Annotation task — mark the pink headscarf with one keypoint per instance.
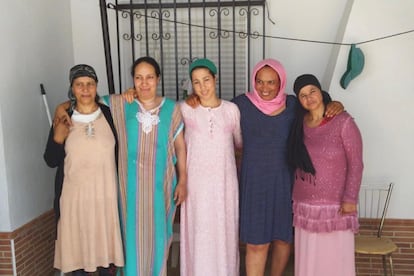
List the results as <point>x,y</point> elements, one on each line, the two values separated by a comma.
<point>268,107</point>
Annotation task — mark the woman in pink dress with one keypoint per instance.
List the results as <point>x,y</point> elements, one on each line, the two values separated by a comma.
<point>210,215</point>
<point>327,155</point>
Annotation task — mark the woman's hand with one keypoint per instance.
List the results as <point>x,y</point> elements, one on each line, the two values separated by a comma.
<point>334,108</point>
<point>60,131</point>
<point>129,95</point>
<point>192,100</point>
<point>348,208</point>
<point>61,116</point>
<point>180,193</point>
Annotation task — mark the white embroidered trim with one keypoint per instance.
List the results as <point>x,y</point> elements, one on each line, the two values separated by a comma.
<point>147,119</point>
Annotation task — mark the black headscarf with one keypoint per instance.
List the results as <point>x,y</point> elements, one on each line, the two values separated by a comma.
<point>298,155</point>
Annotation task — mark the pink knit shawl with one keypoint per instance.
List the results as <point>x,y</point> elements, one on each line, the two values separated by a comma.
<point>268,107</point>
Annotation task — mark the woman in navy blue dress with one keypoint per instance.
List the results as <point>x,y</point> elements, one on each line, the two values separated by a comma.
<point>267,114</point>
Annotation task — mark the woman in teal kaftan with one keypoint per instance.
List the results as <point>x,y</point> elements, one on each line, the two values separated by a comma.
<point>147,182</point>
<point>151,151</point>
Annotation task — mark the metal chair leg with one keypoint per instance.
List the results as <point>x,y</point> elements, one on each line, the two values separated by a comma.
<point>384,264</point>
<point>391,266</point>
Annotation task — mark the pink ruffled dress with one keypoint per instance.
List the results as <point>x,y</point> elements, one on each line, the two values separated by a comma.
<point>321,232</point>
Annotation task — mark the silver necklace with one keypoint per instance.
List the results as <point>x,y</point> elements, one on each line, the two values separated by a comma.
<point>88,119</point>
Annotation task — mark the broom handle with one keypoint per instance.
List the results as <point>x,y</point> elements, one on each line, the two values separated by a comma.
<point>42,90</point>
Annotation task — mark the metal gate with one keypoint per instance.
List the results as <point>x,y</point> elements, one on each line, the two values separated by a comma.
<point>174,32</point>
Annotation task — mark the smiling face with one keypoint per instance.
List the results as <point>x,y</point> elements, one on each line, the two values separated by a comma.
<point>310,97</point>
<point>84,89</point>
<point>267,83</point>
<point>145,81</point>
<point>204,84</point>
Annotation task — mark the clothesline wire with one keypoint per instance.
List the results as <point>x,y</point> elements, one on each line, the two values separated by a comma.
<point>338,43</point>
<point>385,37</point>
<point>279,37</point>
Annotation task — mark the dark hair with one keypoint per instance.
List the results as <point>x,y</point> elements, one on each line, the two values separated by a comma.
<point>298,155</point>
<point>148,60</point>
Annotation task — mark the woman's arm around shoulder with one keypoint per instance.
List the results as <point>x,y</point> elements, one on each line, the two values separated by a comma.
<point>235,113</point>
<point>180,193</point>
<point>352,143</point>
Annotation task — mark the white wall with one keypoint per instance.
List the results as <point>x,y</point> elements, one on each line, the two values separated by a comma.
<point>317,20</point>
<point>87,39</point>
<point>381,97</point>
<point>36,47</point>
<point>4,194</point>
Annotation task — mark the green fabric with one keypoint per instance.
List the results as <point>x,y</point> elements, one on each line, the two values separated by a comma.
<point>204,63</point>
<point>355,66</point>
<point>150,180</point>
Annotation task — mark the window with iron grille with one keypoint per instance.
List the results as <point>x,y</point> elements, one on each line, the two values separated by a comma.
<point>177,32</point>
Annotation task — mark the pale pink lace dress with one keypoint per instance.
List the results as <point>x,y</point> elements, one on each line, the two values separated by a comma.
<point>210,215</point>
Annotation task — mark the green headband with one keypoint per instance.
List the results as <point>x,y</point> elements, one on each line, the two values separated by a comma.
<point>203,63</point>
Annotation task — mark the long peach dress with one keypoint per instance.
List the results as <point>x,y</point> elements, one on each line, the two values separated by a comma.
<point>89,232</point>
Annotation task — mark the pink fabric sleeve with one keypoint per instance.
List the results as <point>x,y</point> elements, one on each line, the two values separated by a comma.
<point>352,141</point>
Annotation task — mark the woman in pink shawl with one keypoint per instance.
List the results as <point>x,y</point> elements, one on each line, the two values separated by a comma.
<point>266,117</point>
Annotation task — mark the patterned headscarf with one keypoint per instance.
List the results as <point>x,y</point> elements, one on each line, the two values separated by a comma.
<point>80,70</point>
<point>268,107</point>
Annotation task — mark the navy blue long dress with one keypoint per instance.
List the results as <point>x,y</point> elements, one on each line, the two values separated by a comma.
<point>265,180</point>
